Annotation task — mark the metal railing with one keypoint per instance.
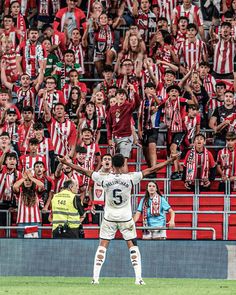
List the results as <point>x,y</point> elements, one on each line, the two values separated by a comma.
<point>138,227</point>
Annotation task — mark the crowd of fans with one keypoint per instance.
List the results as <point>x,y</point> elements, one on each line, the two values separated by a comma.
<point>76,74</point>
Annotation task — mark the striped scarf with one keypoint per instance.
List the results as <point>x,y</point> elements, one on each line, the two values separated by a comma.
<point>155,207</point>
<point>228,161</point>
<point>172,117</point>
<point>192,165</point>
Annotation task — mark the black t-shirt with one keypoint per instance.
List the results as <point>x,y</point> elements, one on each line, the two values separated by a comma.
<point>221,113</point>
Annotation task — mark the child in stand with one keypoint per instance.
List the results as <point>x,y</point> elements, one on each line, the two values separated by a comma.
<point>192,122</point>
<point>91,120</point>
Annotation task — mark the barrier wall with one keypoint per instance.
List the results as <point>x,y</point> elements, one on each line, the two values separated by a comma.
<point>169,259</point>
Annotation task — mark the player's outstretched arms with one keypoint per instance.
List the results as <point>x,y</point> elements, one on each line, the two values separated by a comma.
<point>77,168</point>
<point>159,166</point>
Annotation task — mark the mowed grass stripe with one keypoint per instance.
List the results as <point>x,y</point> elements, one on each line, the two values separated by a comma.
<point>113,286</point>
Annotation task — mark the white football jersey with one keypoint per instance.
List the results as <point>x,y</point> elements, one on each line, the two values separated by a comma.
<point>117,188</point>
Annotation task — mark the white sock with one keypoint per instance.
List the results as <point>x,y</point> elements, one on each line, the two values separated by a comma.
<point>99,259</point>
<point>135,258</point>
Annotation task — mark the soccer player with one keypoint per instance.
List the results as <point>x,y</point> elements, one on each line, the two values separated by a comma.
<point>118,213</point>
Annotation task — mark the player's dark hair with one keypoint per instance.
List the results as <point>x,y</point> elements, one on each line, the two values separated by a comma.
<point>118,160</point>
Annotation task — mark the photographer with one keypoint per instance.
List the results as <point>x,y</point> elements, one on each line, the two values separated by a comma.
<point>67,212</point>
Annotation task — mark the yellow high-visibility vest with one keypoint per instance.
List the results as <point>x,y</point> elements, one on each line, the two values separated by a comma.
<point>63,210</point>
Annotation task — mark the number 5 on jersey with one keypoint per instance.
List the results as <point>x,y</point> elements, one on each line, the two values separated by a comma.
<point>117,197</point>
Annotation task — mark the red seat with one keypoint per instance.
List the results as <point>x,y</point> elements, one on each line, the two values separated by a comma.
<point>233,202</point>
<point>207,217</point>
<point>213,203</point>
<point>218,226</point>
<point>231,232</point>
<point>181,203</point>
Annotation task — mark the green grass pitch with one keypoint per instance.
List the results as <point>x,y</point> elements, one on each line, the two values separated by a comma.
<point>113,286</point>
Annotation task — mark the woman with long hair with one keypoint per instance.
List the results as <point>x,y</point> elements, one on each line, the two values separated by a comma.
<point>153,207</point>
<point>91,120</point>
<point>28,213</point>
<point>75,104</point>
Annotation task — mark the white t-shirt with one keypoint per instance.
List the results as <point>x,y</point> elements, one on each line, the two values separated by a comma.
<point>117,188</point>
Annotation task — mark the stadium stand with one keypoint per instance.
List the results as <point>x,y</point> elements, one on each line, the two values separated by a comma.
<point>63,65</point>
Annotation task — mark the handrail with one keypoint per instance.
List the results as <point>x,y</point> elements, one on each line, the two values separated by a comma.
<point>138,227</point>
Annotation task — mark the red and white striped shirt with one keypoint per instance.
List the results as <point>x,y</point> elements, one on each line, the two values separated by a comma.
<point>32,55</point>
<point>27,162</point>
<point>24,135</point>
<point>147,24</point>
<point>28,214</point>
<point>190,124</point>
<point>11,70</point>
<point>209,83</point>
<point>193,14</point>
<point>63,135</point>
<point>192,52</point>
<point>224,53</point>
<point>79,55</point>
<point>59,181</point>
<point>27,96</point>
<point>7,180</point>
<point>166,8</point>
<point>45,146</point>
<point>52,99</point>
<point>227,161</point>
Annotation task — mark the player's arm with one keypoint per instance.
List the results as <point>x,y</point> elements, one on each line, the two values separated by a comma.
<point>159,166</point>
<point>76,167</point>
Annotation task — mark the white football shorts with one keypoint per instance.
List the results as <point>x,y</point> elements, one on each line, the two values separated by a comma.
<point>109,228</point>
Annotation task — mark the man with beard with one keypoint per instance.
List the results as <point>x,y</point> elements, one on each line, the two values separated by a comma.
<point>8,176</point>
<point>49,187</point>
<point>30,55</point>
<point>25,129</point>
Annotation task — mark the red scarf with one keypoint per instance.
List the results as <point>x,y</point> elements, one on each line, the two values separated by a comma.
<point>173,118</point>
<point>155,207</point>
<point>192,165</point>
<point>228,161</point>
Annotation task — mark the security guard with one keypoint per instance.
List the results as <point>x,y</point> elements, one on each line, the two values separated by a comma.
<point>67,212</point>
